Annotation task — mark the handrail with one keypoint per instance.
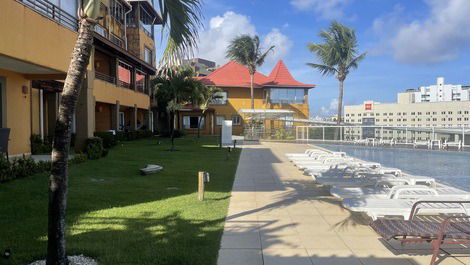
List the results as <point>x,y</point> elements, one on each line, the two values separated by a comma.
<point>48,9</point>
<point>414,208</point>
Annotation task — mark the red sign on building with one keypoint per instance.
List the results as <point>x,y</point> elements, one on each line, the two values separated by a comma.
<point>369,106</point>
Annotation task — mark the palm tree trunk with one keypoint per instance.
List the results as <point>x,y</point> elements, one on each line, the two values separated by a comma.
<point>56,250</point>
<point>252,93</point>
<point>340,106</point>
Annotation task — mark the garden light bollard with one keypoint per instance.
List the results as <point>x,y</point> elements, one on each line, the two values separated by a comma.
<point>200,190</point>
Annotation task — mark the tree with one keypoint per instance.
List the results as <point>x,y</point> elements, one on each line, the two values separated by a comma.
<point>182,19</point>
<point>173,88</point>
<point>202,97</point>
<point>56,250</point>
<point>246,51</point>
<point>338,55</point>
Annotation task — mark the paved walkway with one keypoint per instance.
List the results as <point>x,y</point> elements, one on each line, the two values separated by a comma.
<point>278,216</point>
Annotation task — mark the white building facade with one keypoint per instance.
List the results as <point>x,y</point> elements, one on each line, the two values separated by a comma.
<point>441,92</point>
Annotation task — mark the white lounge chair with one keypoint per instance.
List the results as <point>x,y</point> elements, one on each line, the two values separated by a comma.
<point>307,153</point>
<point>419,143</point>
<point>400,191</point>
<point>376,208</point>
<point>341,169</point>
<point>330,161</point>
<point>360,141</point>
<point>456,144</point>
<point>372,180</point>
<point>390,142</point>
<point>317,156</point>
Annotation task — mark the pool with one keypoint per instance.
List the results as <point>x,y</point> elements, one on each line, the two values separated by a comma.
<point>447,167</point>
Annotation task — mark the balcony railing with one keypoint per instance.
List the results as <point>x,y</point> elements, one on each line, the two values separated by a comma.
<point>53,12</point>
<point>123,84</point>
<point>104,77</point>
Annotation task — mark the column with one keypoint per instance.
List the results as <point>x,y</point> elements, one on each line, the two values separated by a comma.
<point>85,113</point>
<point>115,115</point>
<point>134,118</point>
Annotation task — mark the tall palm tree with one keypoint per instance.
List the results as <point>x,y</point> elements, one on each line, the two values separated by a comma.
<point>174,88</point>
<point>246,51</point>
<point>338,55</point>
<point>182,19</point>
<point>202,97</point>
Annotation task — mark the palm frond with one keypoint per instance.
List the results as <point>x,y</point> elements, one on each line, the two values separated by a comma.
<point>324,69</point>
<point>354,62</point>
<point>181,19</point>
<point>262,57</point>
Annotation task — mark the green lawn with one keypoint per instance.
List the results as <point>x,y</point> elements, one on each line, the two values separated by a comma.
<point>120,217</point>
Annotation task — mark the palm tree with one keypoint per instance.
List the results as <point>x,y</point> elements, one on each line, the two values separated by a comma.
<point>174,88</point>
<point>202,97</point>
<point>182,19</point>
<point>338,55</point>
<point>246,51</point>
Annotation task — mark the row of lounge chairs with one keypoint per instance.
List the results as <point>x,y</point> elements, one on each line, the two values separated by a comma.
<point>383,193</point>
<point>429,144</point>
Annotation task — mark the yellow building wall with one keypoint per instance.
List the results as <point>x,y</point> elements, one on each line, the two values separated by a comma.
<point>31,37</point>
<point>108,93</point>
<point>146,41</point>
<point>240,98</point>
<point>17,112</point>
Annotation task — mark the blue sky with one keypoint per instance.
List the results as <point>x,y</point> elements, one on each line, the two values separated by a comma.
<point>409,43</point>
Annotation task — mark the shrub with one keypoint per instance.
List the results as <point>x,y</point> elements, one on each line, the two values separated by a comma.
<point>94,147</point>
<point>5,168</point>
<point>109,139</point>
<point>179,133</point>
<point>23,167</point>
<point>39,146</point>
<point>77,159</point>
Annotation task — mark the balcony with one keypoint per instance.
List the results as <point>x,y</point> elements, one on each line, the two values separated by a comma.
<point>105,77</point>
<point>53,12</point>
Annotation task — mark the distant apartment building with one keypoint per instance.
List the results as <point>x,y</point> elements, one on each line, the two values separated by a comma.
<point>440,105</point>
<point>38,38</point>
<point>201,67</point>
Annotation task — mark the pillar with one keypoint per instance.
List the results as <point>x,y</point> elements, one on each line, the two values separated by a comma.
<point>134,118</point>
<point>85,112</point>
<point>115,115</point>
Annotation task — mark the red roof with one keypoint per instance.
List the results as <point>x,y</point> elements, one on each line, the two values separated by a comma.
<point>280,76</point>
<point>233,74</point>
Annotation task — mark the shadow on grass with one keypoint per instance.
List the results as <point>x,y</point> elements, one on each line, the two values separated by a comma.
<point>111,190</point>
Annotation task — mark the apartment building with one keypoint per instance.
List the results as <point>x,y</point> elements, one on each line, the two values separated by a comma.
<point>201,67</point>
<point>409,112</point>
<point>440,92</point>
<point>279,93</point>
<point>33,64</point>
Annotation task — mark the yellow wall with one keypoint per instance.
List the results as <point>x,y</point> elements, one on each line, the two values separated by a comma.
<point>108,93</point>
<point>146,41</point>
<point>17,112</point>
<point>31,37</point>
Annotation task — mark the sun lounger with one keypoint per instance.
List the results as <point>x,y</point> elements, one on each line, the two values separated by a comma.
<point>452,230</point>
<point>307,153</point>
<point>426,144</point>
<point>361,141</point>
<point>390,142</point>
<point>400,192</point>
<point>317,156</point>
<point>327,161</point>
<point>372,180</point>
<point>377,208</point>
<point>341,169</point>
<point>456,144</point>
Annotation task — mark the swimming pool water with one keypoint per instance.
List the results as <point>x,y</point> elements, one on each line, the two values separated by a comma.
<point>447,167</point>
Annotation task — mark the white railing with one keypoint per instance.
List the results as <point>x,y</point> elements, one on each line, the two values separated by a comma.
<point>376,135</point>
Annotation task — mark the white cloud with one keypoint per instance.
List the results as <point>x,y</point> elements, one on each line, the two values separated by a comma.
<point>438,38</point>
<point>327,9</point>
<point>282,45</point>
<point>330,110</point>
<point>213,40</point>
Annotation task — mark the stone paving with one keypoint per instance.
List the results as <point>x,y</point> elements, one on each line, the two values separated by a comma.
<point>278,216</point>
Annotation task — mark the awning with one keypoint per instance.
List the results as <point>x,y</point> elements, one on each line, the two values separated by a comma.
<point>266,114</point>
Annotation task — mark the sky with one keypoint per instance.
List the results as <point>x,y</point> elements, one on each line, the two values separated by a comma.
<point>409,43</point>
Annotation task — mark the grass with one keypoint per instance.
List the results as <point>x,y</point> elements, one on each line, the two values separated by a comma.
<point>118,216</point>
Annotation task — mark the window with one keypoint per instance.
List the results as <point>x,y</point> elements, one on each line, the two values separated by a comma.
<point>428,113</point>
<point>236,120</point>
<point>466,112</point>
<point>419,113</point>
<point>449,112</point>
<point>117,11</point>
<point>146,22</point>
<point>219,119</point>
<point>191,122</point>
<point>148,55</point>
<point>140,81</point>
<point>413,113</point>
<point>220,98</point>
<point>124,75</point>
<point>122,121</point>
<point>359,115</point>
<point>287,96</point>
<point>116,40</point>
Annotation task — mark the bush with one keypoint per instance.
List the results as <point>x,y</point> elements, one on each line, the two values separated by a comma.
<point>109,139</point>
<point>77,159</point>
<point>94,147</point>
<point>23,167</point>
<point>5,169</point>
<point>177,134</point>
<point>39,146</point>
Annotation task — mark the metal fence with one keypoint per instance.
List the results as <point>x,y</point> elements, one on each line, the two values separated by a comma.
<point>53,12</point>
<point>373,135</point>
